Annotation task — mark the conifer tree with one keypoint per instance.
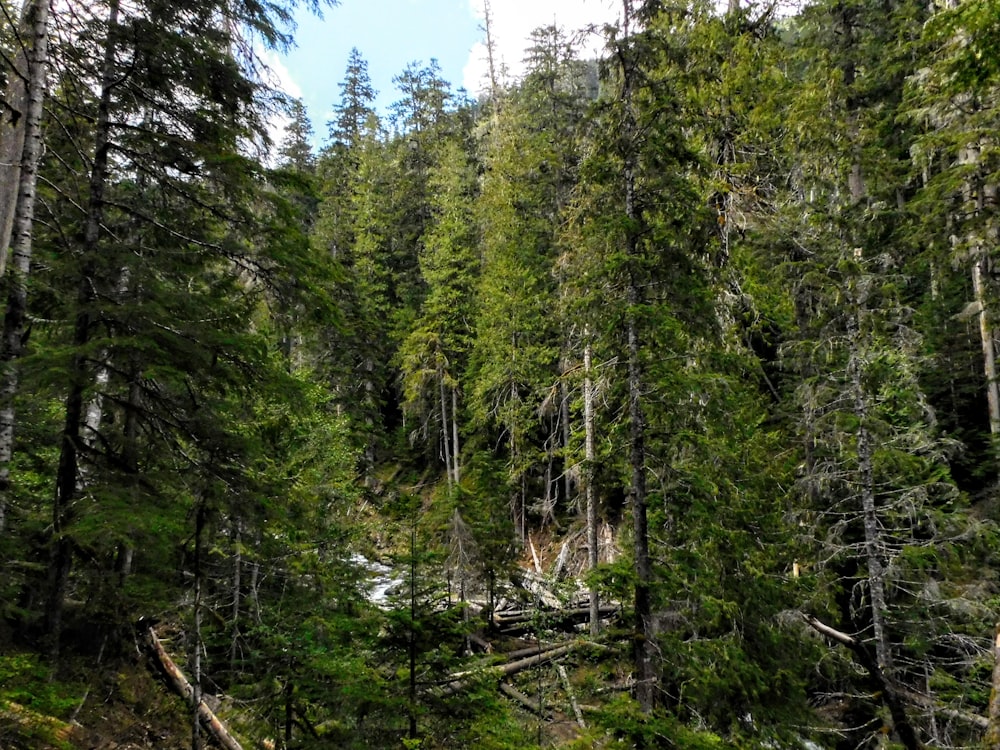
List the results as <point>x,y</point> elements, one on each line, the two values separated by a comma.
<point>530,153</point>
<point>640,230</point>
<point>178,210</point>
<point>434,354</point>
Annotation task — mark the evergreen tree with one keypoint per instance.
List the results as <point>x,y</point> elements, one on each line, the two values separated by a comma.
<point>434,355</point>
<point>145,365</point>
<point>529,152</point>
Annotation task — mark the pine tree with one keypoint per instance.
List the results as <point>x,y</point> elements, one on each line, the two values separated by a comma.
<point>171,203</point>
<point>434,354</point>
<point>639,229</point>
<point>529,151</point>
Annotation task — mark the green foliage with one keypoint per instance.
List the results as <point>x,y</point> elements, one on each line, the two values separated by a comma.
<point>759,227</point>
<point>27,682</point>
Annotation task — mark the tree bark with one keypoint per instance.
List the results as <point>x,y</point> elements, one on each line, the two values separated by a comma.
<point>179,683</point>
<point>989,345</point>
<point>866,482</point>
<point>992,736</point>
<point>512,692</point>
<point>454,433</point>
<point>67,477</point>
<point>22,225</point>
<point>12,129</point>
<point>444,426</point>
<point>571,695</point>
<point>234,642</point>
<point>196,657</point>
<point>593,548</point>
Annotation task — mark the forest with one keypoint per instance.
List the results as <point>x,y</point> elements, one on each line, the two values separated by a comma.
<point>646,401</point>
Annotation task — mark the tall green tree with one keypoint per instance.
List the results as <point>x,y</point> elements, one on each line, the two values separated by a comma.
<point>170,202</point>
<point>434,355</point>
<point>529,150</point>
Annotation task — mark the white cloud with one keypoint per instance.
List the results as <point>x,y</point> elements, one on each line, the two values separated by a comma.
<point>514,20</point>
<point>279,76</point>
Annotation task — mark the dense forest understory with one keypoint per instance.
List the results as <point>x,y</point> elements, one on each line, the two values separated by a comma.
<point>646,401</point>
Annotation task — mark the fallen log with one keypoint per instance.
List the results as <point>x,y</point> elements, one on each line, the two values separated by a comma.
<point>530,650</point>
<point>461,681</point>
<point>484,644</point>
<point>512,692</point>
<point>19,723</point>
<point>571,695</point>
<point>533,651</point>
<point>555,618</point>
<point>182,687</point>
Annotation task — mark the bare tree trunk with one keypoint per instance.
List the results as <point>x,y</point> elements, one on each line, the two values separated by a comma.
<point>989,345</point>
<point>412,638</point>
<point>183,688</point>
<point>593,548</point>
<point>566,436</point>
<point>571,695</point>
<point>196,657</point>
<point>22,224</point>
<point>866,483</point>
<point>454,433</point>
<point>444,426</point>
<point>491,46</point>
<point>13,121</point>
<point>237,599</point>
<point>873,537</point>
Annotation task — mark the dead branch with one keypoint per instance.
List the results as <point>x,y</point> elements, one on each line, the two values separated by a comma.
<point>891,693</point>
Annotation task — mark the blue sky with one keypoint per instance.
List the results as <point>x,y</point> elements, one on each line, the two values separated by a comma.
<point>390,34</point>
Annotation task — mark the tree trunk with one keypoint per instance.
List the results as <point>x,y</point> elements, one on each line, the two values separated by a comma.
<point>237,598</point>
<point>643,635</point>
<point>67,476</point>
<point>564,403</point>
<point>866,484</point>
<point>571,695</point>
<point>989,346</point>
<point>22,224</point>
<point>13,120</point>
<point>593,548</point>
<point>454,433</point>
<point>444,426</point>
<point>196,657</point>
<point>412,638</point>
<point>183,688</point>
